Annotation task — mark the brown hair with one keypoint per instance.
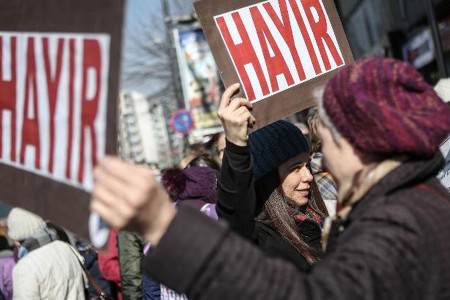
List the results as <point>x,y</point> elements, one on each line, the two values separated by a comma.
<point>276,212</point>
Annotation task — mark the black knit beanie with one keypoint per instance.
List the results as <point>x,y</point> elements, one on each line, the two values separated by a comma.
<point>274,144</point>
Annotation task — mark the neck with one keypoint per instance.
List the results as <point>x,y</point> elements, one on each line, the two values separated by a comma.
<point>357,186</point>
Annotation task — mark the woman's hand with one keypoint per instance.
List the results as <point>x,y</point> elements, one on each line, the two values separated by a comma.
<point>235,116</point>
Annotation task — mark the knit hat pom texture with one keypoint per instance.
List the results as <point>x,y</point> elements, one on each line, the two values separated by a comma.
<point>385,107</point>
<point>23,224</point>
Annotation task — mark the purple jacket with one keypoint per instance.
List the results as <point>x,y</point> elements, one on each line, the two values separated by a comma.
<point>6,268</point>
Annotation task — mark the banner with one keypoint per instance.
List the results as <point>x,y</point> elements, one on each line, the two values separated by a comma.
<point>281,51</point>
<point>59,63</point>
<point>200,79</point>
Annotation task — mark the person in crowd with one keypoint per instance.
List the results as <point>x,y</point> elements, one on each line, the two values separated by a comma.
<point>61,234</point>
<point>192,154</point>
<point>151,289</point>
<point>6,268</point>
<point>203,161</point>
<point>130,247</point>
<point>282,212</point>
<point>325,182</point>
<point>89,255</point>
<point>381,125</point>
<point>108,262</point>
<point>196,186</point>
<point>304,128</point>
<point>221,144</point>
<point>47,268</point>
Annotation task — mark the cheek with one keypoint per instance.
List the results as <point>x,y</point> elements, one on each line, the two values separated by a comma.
<point>284,186</point>
<point>327,149</point>
<point>289,183</point>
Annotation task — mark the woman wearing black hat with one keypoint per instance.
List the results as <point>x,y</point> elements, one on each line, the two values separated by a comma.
<point>266,190</point>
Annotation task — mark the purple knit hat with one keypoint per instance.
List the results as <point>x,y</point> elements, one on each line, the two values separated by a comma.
<point>193,183</point>
<point>385,107</point>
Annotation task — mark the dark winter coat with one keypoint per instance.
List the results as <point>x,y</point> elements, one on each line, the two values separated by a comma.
<point>240,200</point>
<point>395,245</point>
<point>91,264</point>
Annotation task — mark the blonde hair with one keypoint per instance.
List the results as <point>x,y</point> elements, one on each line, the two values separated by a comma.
<point>313,120</point>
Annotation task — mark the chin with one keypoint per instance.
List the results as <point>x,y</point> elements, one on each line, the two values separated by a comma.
<point>302,201</point>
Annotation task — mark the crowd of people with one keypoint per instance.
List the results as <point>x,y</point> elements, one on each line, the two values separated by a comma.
<point>351,209</point>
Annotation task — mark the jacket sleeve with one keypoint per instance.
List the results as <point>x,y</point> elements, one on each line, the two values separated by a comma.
<point>375,263</point>
<point>130,255</point>
<point>236,193</point>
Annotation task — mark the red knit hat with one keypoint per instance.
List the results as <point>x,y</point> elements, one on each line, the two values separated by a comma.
<point>384,106</point>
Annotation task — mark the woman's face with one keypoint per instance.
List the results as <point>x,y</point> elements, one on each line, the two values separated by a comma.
<point>295,178</point>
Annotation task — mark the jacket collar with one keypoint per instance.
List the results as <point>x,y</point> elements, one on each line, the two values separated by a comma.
<point>409,173</point>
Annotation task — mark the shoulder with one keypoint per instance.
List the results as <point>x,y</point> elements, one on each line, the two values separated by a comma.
<point>55,252</point>
<point>6,260</point>
<point>408,217</point>
<point>265,231</point>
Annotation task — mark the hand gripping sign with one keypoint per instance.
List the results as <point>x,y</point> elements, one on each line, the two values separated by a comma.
<point>281,51</point>
<point>59,63</point>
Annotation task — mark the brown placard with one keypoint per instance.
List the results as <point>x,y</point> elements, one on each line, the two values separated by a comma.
<point>302,94</point>
<point>37,36</point>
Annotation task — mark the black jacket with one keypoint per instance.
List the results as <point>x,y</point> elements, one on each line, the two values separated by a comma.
<point>240,200</point>
<point>395,245</point>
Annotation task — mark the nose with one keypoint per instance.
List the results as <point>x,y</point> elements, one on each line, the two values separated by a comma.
<point>306,175</point>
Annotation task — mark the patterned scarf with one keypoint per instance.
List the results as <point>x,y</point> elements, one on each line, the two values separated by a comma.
<point>353,190</point>
<point>324,180</point>
<point>301,213</point>
<point>43,237</point>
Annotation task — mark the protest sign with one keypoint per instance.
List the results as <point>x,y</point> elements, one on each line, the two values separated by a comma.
<point>59,63</point>
<point>281,51</point>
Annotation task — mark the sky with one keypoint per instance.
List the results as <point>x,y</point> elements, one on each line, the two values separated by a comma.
<point>147,15</point>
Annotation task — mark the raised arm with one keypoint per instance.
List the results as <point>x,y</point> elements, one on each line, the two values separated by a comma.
<point>236,196</point>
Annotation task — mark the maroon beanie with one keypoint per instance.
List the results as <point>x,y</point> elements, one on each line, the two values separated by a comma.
<point>385,107</point>
<point>193,183</point>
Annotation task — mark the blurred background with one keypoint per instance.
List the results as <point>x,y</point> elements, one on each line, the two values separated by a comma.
<point>170,87</point>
